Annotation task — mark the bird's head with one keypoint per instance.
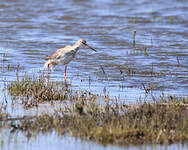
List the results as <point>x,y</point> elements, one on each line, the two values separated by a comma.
<point>83,42</point>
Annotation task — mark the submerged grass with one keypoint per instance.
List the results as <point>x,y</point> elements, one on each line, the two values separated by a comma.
<point>145,124</point>
<point>163,121</point>
<point>35,90</point>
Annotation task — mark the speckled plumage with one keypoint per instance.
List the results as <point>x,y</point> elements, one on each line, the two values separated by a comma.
<point>64,55</point>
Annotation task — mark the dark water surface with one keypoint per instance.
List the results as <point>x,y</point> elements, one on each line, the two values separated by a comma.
<point>30,30</point>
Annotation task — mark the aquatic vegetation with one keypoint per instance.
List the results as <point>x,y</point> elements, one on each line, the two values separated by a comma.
<point>134,35</point>
<point>34,90</point>
<point>163,121</point>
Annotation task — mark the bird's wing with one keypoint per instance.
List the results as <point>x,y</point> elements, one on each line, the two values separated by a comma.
<point>55,54</point>
<point>60,52</point>
<point>65,52</point>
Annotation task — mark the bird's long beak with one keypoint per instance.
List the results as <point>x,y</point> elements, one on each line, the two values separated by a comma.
<point>89,47</point>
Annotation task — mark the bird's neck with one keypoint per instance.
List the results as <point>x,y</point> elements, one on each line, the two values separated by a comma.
<point>76,46</point>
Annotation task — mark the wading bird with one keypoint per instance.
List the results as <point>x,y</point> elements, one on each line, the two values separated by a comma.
<point>64,55</point>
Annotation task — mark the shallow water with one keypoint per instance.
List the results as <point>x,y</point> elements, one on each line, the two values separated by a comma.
<point>50,141</point>
<point>31,30</point>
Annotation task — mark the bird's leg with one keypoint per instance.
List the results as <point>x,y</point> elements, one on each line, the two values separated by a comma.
<point>65,72</point>
<point>47,70</point>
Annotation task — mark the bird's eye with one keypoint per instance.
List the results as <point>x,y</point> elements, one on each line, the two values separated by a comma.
<point>84,42</point>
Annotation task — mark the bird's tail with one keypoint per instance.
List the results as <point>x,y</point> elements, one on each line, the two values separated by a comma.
<point>50,64</point>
